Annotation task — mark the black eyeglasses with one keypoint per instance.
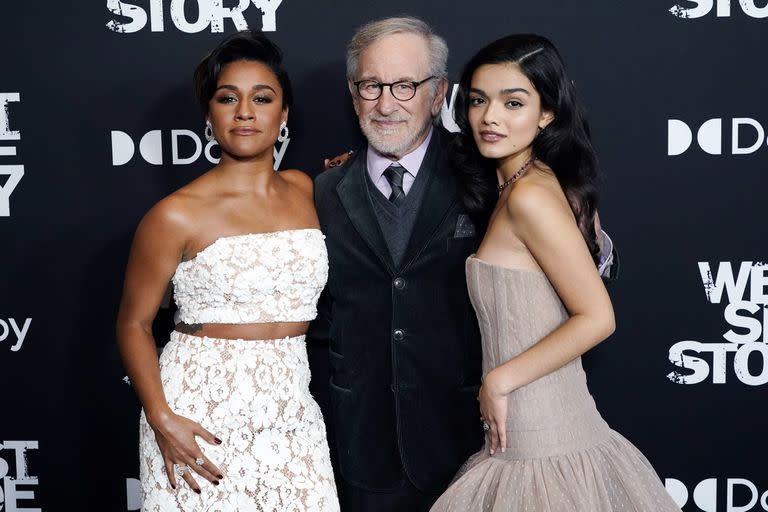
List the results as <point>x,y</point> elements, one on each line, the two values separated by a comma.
<point>402,90</point>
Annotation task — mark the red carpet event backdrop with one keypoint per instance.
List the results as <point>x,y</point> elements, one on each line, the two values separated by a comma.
<point>98,122</point>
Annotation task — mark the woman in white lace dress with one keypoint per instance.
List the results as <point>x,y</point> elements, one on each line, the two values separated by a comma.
<point>247,261</point>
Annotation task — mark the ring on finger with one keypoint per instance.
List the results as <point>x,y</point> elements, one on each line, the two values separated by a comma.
<point>486,426</point>
<point>199,461</point>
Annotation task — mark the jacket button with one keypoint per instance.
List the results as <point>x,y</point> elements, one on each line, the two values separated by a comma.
<point>398,334</point>
<point>399,283</point>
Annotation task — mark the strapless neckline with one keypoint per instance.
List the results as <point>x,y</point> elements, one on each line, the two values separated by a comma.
<point>473,257</point>
<point>243,235</point>
<point>268,276</point>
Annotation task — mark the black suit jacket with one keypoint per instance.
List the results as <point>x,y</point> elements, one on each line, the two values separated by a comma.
<point>405,347</point>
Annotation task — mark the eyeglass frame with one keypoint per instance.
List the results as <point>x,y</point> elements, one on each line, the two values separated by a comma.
<point>382,85</point>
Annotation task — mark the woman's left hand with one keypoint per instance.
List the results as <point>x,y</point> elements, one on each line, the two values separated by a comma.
<point>493,409</point>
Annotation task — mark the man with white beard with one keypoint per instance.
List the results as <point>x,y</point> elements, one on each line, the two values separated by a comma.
<point>404,342</point>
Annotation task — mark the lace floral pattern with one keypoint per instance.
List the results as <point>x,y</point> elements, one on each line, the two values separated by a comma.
<point>259,277</point>
<point>253,395</point>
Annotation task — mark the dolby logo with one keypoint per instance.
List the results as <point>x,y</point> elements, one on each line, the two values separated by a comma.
<point>746,136</point>
<point>186,147</point>
<point>741,495</point>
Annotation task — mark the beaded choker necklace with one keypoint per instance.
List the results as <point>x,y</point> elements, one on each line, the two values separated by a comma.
<point>517,175</point>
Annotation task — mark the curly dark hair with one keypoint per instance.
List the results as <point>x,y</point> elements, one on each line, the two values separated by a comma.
<point>564,146</point>
<point>244,45</point>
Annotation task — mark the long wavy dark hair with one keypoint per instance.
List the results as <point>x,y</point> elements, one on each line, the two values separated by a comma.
<point>564,145</point>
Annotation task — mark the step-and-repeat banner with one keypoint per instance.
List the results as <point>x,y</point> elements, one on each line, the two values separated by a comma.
<point>98,122</point>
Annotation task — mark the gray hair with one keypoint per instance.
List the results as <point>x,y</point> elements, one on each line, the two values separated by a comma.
<point>375,30</point>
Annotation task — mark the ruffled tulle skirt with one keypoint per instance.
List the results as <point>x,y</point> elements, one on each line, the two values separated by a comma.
<point>610,476</point>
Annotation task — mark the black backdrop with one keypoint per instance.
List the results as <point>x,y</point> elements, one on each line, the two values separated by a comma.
<point>676,99</point>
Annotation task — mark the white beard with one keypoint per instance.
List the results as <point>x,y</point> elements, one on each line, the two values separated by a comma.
<point>387,142</point>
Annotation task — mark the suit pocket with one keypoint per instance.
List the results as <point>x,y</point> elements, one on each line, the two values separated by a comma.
<point>338,390</point>
<point>464,226</point>
<point>336,361</point>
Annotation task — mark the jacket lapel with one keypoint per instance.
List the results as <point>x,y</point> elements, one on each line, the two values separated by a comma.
<point>439,196</point>
<point>353,194</point>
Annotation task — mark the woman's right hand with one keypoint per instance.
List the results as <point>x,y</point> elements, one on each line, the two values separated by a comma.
<point>493,411</point>
<point>175,436</point>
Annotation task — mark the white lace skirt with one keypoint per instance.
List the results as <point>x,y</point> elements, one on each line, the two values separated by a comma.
<point>254,396</point>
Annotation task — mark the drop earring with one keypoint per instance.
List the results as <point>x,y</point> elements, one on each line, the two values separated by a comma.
<point>284,132</point>
<point>209,132</point>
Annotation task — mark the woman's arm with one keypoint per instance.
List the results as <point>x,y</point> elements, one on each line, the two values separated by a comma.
<point>546,227</point>
<point>156,251</point>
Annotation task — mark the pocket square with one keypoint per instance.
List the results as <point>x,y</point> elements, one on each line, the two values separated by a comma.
<point>464,227</point>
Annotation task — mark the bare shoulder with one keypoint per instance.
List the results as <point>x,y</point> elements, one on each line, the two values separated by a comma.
<point>298,179</point>
<point>535,199</point>
<point>172,214</point>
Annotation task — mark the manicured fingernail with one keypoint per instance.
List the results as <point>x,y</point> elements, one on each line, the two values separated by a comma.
<point>218,441</point>
<point>174,487</point>
<point>198,491</point>
<point>220,477</point>
<point>215,482</point>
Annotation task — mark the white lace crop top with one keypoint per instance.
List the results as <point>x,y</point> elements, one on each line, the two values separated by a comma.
<point>254,278</point>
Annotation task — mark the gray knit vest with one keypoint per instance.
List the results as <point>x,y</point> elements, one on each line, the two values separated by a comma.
<point>397,222</point>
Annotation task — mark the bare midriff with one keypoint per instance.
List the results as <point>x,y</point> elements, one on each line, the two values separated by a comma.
<point>261,331</point>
